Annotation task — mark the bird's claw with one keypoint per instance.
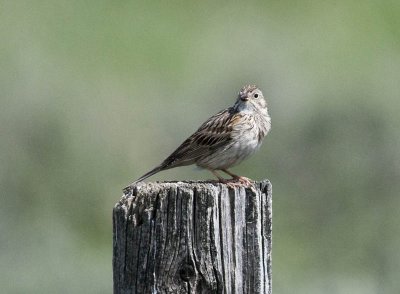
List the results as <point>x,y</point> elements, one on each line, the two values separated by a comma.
<point>236,182</point>
<point>244,181</point>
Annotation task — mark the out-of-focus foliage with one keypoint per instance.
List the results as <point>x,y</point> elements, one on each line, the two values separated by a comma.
<point>95,93</point>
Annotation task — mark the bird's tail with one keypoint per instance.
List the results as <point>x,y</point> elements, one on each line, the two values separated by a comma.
<point>145,176</point>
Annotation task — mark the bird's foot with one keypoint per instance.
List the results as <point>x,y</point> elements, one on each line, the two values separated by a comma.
<point>231,183</point>
<point>240,180</point>
<point>236,182</point>
<point>228,182</point>
<point>244,181</point>
<point>248,183</point>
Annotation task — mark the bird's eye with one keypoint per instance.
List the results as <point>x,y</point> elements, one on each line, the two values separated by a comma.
<point>255,95</point>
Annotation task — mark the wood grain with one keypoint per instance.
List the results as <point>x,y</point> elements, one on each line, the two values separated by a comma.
<point>193,237</point>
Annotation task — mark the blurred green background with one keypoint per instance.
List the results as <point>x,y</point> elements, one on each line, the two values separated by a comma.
<point>95,93</point>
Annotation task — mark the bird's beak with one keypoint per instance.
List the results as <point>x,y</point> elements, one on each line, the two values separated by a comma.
<point>244,98</point>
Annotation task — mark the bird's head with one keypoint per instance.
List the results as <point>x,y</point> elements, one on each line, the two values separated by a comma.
<point>250,98</point>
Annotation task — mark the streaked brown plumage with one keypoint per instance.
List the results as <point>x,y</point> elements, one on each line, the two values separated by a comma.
<point>225,139</point>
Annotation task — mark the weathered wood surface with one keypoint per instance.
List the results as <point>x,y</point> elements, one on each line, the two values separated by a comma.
<point>193,237</point>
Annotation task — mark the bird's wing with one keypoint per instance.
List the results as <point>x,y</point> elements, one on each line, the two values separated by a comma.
<point>215,133</point>
<point>212,134</point>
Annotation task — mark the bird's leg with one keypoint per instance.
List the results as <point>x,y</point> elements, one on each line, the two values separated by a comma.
<point>240,179</point>
<point>221,179</point>
<point>229,183</point>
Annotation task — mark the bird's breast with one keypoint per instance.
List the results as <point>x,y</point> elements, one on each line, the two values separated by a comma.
<point>246,137</point>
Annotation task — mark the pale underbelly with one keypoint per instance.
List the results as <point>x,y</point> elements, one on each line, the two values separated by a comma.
<point>229,156</point>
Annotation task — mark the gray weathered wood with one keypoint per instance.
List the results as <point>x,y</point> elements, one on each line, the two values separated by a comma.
<point>193,237</point>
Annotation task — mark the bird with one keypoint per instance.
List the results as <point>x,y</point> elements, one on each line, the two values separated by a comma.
<point>224,140</point>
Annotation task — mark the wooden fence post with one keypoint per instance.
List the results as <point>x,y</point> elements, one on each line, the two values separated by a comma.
<point>193,237</point>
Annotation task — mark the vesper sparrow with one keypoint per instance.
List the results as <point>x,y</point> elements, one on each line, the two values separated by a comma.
<point>225,139</point>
